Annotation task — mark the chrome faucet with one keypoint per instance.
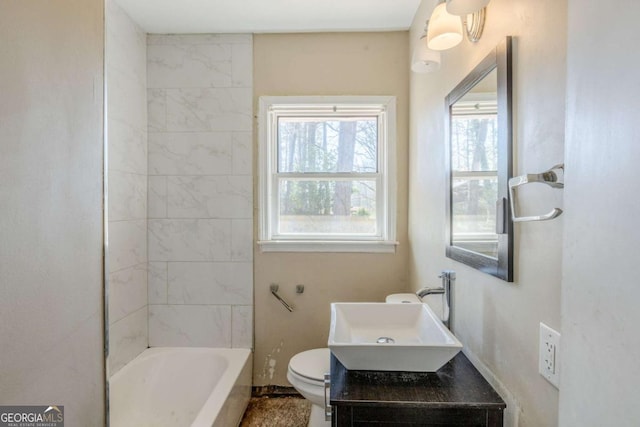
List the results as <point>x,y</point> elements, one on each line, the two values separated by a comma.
<point>429,291</point>
<point>447,277</point>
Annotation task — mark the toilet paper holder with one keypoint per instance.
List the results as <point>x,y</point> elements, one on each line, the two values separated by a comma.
<point>274,291</point>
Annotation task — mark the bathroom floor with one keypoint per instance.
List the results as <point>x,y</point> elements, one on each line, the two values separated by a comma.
<point>278,411</point>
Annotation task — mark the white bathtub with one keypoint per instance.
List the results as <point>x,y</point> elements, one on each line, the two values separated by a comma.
<point>177,387</point>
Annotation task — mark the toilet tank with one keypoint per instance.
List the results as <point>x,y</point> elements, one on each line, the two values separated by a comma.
<point>403,298</point>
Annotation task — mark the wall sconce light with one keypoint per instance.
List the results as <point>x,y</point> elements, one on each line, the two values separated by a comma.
<point>465,7</point>
<point>424,60</point>
<point>445,30</point>
<point>473,15</point>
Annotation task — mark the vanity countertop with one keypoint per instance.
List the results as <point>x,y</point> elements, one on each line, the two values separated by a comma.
<point>457,390</point>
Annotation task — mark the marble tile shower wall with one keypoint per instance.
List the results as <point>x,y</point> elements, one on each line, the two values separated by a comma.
<point>200,200</point>
<point>127,186</point>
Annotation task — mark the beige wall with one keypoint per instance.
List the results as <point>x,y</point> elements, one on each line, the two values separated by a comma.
<point>326,64</point>
<point>51,161</point>
<point>498,321</point>
<point>600,292</point>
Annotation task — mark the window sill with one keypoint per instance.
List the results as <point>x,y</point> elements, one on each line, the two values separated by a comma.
<point>327,246</point>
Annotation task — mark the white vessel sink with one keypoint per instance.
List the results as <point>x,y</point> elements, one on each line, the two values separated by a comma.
<point>390,337</point>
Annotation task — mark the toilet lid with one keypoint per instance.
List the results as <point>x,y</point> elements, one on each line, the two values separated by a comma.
<point>311,364</point>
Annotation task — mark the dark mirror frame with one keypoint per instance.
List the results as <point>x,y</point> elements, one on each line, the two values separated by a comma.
<point>499,58</point>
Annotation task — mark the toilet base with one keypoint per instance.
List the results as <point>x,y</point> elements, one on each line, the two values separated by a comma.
<point>317,417</point>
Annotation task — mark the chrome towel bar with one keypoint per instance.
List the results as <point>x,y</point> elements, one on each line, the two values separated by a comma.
<point>549,177</point>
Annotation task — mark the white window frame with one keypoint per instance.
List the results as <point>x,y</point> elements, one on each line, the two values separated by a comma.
<point>272,107</point>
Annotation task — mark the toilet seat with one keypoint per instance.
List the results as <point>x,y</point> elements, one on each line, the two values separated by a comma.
<point>311,365</point>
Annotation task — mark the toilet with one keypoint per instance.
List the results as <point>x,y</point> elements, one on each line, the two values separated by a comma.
<point>306,371</point>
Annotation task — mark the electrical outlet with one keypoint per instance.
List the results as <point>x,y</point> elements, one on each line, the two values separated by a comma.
<point>549,354</point>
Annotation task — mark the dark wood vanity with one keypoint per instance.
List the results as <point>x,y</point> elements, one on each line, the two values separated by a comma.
<point>455,395</point>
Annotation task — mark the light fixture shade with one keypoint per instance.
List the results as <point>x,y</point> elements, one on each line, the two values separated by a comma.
<point>445,30</point>
<point>424,60</point>
<point>465,7</point>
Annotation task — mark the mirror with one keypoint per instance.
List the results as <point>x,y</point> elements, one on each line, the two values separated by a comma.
<point>479,139</point>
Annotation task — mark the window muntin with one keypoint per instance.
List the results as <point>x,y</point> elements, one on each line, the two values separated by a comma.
<point>326,172</point>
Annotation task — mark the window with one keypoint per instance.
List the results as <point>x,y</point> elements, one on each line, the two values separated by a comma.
<point>474,172</point>
<point>327,174</point>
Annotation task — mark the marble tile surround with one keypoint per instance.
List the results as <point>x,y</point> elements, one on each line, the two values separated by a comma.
<point>127,338</point>
<point>209,196</point>
<point>209,283</point>
<point>189,239</point>
<point>190,325</point>
<point>127,187</point>
<point>191,153</point>
<point>200,190</point>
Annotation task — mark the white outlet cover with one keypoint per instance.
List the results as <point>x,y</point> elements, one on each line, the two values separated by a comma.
<point>549,355</point>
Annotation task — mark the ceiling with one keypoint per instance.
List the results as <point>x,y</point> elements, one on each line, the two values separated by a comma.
<point>270,16</point>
